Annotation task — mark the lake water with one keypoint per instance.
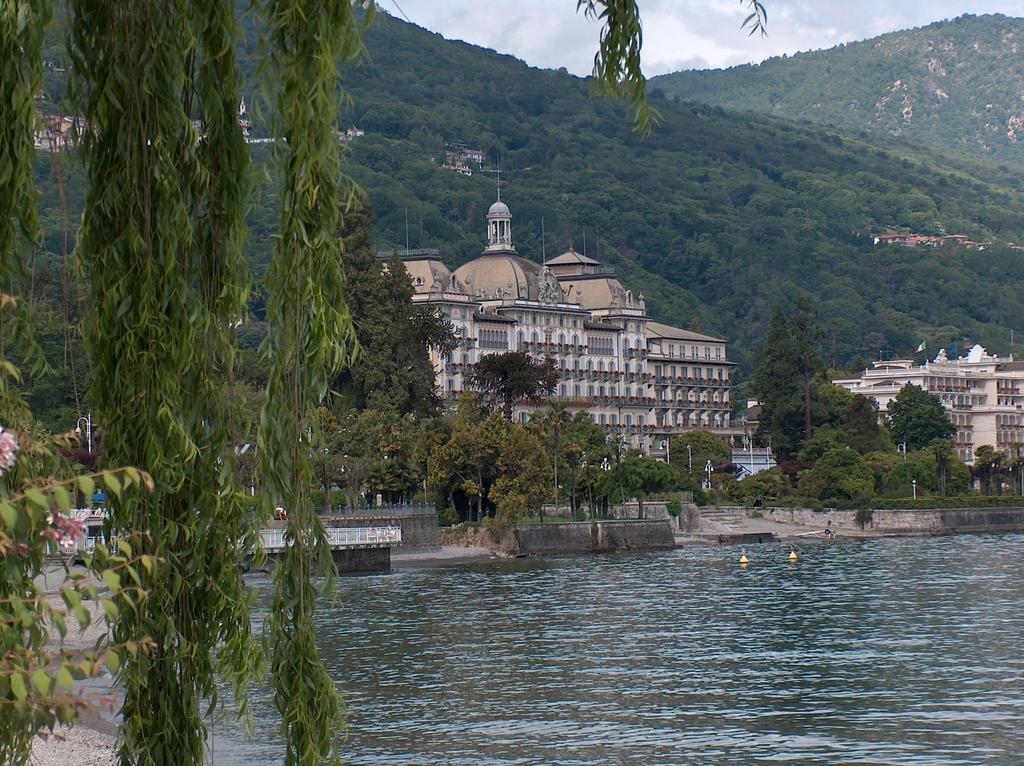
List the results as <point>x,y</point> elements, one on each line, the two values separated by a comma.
<point>876,652</point>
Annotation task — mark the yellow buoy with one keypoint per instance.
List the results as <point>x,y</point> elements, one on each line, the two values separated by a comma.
<point>793,556</point>
<point>744,560</point>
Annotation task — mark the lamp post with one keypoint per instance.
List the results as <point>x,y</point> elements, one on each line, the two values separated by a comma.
<point>902,447</point>
<point>689,458</point>
<point>665,445</point>
<point>87,420</point>
<point>913,486</point>
<point>707,470</point>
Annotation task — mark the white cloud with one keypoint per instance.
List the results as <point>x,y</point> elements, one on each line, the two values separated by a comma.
<point>679,33</point>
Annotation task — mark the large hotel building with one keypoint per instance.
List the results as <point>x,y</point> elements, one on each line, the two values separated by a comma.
<point>982,394</point>
<point>641,380</point>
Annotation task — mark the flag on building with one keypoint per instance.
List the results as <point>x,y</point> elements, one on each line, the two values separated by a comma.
<point>920,348</point>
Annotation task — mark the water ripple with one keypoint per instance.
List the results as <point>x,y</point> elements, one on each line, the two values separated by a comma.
<point>878,652</point>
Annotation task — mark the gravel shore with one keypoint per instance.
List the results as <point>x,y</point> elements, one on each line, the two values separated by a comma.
<point>90,742</point>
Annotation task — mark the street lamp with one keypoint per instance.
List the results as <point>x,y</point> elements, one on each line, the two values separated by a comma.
<point>913,486</point>
<point>707,469</point>
<point>902,447</point>
<point>689,458</point>
<point>87,420</point>
<point>667,447</point>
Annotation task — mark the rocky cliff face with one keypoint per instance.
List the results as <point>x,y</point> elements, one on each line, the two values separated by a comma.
<point>957,84</point>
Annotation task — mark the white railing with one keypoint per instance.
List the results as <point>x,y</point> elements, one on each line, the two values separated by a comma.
<point>339,537</point>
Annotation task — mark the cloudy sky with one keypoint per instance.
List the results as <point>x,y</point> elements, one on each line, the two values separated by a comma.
<point>678,34</point>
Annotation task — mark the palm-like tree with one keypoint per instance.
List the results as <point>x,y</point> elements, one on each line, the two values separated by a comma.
<point>512,376</point>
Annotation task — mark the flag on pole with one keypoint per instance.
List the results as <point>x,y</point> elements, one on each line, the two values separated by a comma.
<point>920,348</point>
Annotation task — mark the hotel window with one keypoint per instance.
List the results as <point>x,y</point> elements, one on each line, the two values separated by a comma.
<point>629,420</point>
<point>707,352</point>
<point>615,419</point>
<point>718,352</point>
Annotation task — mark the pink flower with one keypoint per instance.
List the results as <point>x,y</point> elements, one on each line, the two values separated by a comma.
<point>67,530</point>
<point>8,450</point>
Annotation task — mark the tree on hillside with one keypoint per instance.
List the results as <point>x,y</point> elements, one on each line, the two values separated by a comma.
<point>704,446</point>
<point>783,380</point>
<point>584,449</point>
<point>843,419</point>
<point>917,417</point>
<point>839,473</point>
<point>989,463</point>
<point>467,463</point>
<point>393,370</point>
<point>942,452</point>
<point>638,476</point>
<point>522,483</point>
<point>512,376</point>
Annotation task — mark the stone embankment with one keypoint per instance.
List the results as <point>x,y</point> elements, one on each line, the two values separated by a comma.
<point>903,523</point>
<point>727,523</point>
<point>569,537</point>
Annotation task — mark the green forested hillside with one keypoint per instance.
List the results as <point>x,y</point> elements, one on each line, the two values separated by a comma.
<point>716,217</point>
<point>951,84</point>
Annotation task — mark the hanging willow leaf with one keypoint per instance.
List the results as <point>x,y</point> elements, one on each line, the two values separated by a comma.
<point>311,337</point>
<point>161,242</point>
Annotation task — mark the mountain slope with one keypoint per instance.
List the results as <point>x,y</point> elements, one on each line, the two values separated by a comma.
<point>717,217</point>
<point>956,83</point>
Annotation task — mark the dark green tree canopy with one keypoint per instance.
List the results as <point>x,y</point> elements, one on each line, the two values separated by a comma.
<point>392,370</point>
<point>917,417</point>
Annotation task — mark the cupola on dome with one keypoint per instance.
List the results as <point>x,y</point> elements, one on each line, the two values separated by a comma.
<point>498,208</point>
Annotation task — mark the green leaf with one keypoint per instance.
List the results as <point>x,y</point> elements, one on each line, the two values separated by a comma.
<point>64,678</point>
<point>110,609</point>
<point>18,687</point>
<point>87,486</point>
<point>9,516</point>
<point>112,580</point>
<point>113,484</point>
<point>42,681</point>
<point>62,498</point>
<point>112,659</point>
<point>37,499</point>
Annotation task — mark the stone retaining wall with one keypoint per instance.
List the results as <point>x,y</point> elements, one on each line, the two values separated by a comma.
<point>903,522</point>
<point>588,537</point>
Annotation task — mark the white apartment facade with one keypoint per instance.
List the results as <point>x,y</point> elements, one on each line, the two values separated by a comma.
<point>983,395</point>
